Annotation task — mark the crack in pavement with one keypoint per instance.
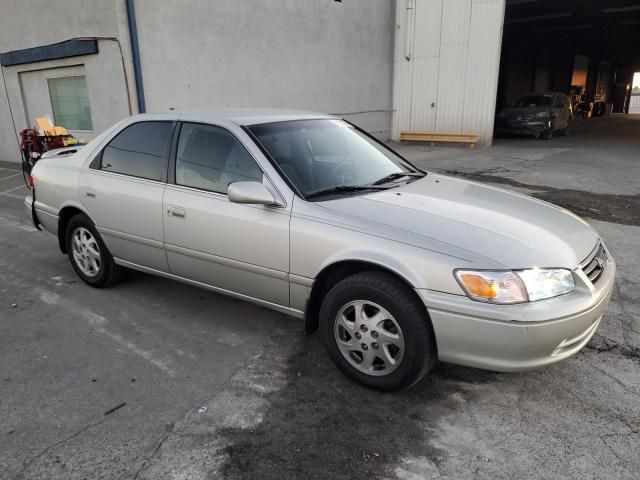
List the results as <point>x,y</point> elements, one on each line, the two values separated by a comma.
<point>27,464</point>
<point>153,453</point>
<point>632,352</point>
<point>195,447</point>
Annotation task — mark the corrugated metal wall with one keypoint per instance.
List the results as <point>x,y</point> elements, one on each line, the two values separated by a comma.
<point>447,58</point>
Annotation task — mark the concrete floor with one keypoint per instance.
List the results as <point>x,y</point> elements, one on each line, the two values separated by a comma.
<point>152,379</point>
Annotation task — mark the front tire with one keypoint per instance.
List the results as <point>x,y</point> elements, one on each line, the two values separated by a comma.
<point>88,254</point>
<point>377,332</point>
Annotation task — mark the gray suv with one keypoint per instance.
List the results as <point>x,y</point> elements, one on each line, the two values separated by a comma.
<point>537,114</point>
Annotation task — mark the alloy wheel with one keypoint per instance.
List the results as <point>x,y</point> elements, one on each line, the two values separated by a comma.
<point>369,338</point>
<point>86,252</point>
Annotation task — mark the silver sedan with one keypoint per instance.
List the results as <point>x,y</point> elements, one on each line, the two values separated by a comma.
<point>309,215</point>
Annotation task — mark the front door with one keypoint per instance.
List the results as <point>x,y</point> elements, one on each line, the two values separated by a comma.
<point>208,239</point>
<point>123,189</point>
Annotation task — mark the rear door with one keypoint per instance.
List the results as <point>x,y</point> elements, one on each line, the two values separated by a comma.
<point>208,239</point>
<point>123,189</point>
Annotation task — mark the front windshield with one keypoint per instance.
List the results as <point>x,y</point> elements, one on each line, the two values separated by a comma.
<point>533,101</point>
<point>317,155</point>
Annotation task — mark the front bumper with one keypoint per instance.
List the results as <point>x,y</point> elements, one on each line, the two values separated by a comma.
<point>521,127</point>
<point>509,338</point>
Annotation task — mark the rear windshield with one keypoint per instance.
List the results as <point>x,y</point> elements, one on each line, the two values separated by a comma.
<point>534,101</point>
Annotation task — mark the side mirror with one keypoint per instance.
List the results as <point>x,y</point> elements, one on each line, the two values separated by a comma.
<point>254,193</point>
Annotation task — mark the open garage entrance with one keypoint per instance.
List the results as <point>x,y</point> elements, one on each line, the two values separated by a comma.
<point>586,49</point>
<point>634,99</point>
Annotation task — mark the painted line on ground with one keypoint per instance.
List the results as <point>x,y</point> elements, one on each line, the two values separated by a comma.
<point>11,195</point>
<point>10,176</point>
<point>12,189</point>
<point>9,169</point>
<point>17,223</point>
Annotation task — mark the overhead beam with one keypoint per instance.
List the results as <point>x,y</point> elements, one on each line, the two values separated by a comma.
<point>535,18</point>
<point>520,2</point>
<point>630,8</point>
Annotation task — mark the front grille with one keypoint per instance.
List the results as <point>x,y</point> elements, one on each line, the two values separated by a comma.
<point>595,263</point>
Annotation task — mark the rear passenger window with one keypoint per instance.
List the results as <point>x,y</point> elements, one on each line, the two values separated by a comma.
<point>138,150</point>
<point>210,158</point>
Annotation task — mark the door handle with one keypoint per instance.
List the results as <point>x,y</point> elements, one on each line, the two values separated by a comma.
<point>89,192</point>
<point>176,212</point>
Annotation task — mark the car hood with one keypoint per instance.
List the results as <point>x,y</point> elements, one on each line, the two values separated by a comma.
<point>473,221</point>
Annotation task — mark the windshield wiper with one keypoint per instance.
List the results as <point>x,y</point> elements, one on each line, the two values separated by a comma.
<point>345,189</point>
<point>396,175</point>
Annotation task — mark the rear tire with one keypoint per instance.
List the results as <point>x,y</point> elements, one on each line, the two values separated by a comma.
<point>377,332</point>
<point>565,132</point>
<point>547,134</point>
<point>88,254</point>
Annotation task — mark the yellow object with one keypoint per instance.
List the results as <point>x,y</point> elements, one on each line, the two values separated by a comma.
<point>69,140</point>
<point>46,125</point>
<point>60,130</point>
<point>433,137</point>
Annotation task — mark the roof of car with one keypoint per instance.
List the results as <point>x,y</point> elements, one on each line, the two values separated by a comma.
<point>241,116</point>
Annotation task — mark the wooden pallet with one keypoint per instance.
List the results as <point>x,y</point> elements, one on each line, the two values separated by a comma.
<point>434,137</point>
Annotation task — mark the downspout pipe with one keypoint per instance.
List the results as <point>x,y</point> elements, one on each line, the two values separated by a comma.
<point>135,52</point>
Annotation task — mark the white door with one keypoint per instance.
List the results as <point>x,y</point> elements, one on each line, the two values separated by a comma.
<point>452,67</point>
<point>425,56</point>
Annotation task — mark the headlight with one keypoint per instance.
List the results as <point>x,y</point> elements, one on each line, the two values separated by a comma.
<point>518,286</point>
<point>545,283</point>
<point>542,115</point>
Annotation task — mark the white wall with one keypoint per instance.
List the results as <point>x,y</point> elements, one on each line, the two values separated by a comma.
<point>304,54</point>
<point>316,55</point>
<point>447,59</point>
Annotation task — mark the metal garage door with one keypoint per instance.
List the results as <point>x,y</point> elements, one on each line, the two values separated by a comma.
<point>446,66</point>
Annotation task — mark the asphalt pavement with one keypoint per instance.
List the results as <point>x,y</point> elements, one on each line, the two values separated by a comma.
<point>152,379</point>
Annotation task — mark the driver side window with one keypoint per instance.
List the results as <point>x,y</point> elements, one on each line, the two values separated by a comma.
<point>210,158</point>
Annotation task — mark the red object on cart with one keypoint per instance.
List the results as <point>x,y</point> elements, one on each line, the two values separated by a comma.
<point>32,146</point>
<point>29,141</point>
<point>54,142</point>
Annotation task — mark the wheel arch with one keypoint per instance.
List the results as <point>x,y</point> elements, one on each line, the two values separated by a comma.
<point>67,212</point>
<point>333,273</point>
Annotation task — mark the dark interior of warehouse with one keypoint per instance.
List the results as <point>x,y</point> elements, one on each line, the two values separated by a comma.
<point>587,49</point>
